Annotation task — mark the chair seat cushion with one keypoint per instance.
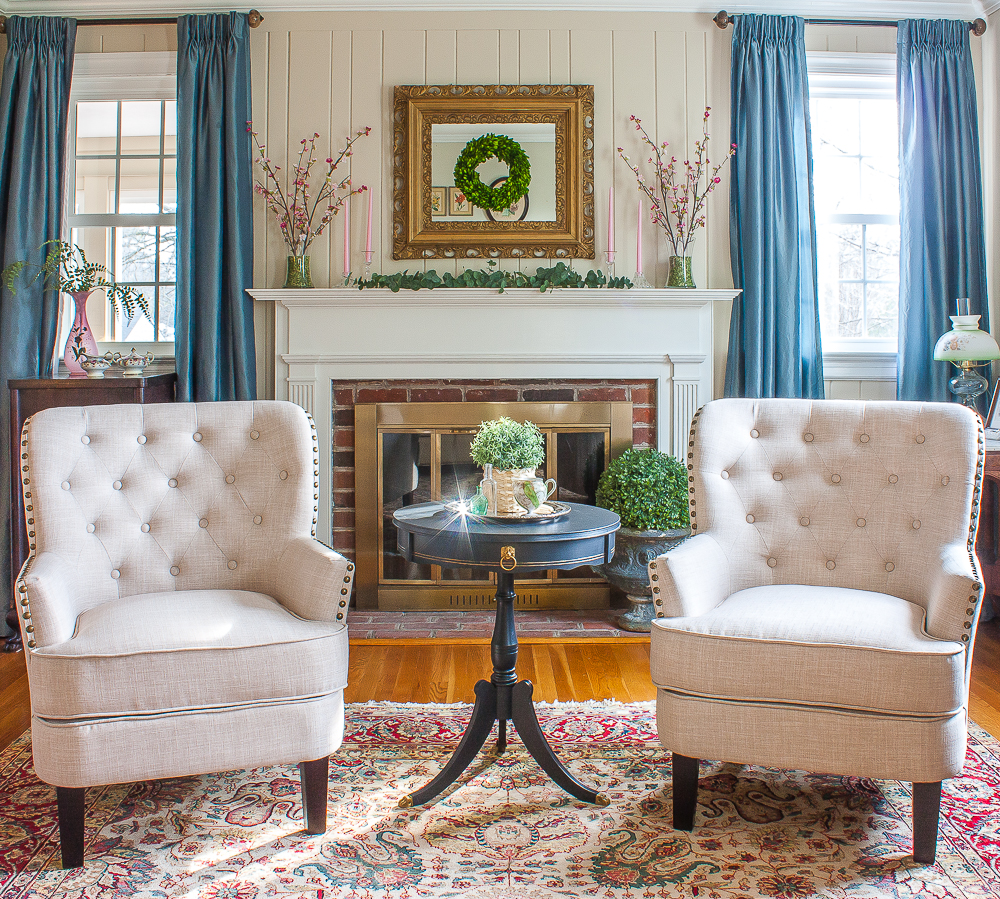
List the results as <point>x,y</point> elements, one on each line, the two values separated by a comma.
<point>186,650</point>
<point>828,647</point>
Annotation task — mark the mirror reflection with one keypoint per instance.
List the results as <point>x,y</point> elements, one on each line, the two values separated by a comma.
<point>448,203</point>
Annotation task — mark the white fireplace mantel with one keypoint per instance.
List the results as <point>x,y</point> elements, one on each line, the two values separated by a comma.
<point>323,335</point>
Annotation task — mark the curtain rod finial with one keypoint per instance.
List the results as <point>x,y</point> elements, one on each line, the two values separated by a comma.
<point>722,19</point>
<point>254,18</point>
<point>979,27</point>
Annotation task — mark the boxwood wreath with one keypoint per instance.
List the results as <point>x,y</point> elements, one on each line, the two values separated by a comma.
<point>476,152</point>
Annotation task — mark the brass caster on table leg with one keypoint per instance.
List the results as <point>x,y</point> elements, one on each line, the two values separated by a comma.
<point>602,800</point>
<point>406,802</point>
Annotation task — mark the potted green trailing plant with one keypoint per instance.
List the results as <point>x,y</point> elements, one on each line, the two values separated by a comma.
<point>66,269</point>
<point>507,450</point>
<point>648,490</point>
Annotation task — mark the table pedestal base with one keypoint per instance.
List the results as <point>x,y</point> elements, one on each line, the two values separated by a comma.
<point>503,698</point>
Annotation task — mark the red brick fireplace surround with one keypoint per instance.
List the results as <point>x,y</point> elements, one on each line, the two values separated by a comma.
<point>641,393</point>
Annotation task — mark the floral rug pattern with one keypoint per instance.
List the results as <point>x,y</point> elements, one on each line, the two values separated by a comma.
<point>505,831</point>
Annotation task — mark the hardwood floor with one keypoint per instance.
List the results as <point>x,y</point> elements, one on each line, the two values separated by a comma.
<point>422,671</point>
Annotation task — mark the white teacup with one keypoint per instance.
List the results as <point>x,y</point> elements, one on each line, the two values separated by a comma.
<point>531,493</point>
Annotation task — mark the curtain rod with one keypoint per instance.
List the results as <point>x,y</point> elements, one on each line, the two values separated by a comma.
<point>254,18</point>
<point>723,19</point>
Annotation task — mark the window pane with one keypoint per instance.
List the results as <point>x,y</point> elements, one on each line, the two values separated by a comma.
<point>882,252</point>
<point>139,189</point>
<point>849,321</point>
<point>166,313</point>
<point>140,328</point>
<point>170,185</point>
<point>847,251</point>
<point>95,185</point>
<point>141,126</point>
<point>883,310</point>
<point>135,254</point>
<point>170,127</point>
<point>96,127</point>
<point>168,254</point>
<point>879,194</point>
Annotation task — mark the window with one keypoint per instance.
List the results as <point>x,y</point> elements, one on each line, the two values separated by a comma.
<point>123,121</point>
<point>856,187</point>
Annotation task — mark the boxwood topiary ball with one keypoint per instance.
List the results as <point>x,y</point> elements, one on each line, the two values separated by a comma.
<point>647,489</point>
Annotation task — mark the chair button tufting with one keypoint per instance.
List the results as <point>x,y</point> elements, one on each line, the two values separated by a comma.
<point>864,438</point>
<point>254,435</point>
<point>777,475</point>
<point>203,523</point>
<point>257,519</point>
<point>141,439</point>
<point>804,521</point>
<point>174,570</point>
<point>231,564</point>
<point>196,436</point>
<point>117,485</point>
<point>772,562</point>
<point>755,433</point>
<point>283,475</point>
<point>85,439</point>
<point>944,481</point>
<point>916,524</point>
<point>750,519</point>
<point>920,438</point>
<point>91,528</point>
<point>893,479</point>
<point>230,479</point>
<point>115,573</point>
<point>808,438</point>
<point>889,566</point>
<point>861,522</point>
<point>725,475</point>
<point>144,527</point>
<point>835,478</point>
<point>831,564</point>
<point>172,482</point>
<point>65,485</point>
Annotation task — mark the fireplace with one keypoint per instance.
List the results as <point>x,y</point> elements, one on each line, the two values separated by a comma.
<point>331,348</point>
<point>414,452</point>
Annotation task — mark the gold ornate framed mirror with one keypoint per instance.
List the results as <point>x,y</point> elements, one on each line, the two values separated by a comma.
<point>553,124</point>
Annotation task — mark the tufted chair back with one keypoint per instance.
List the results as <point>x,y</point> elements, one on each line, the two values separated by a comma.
<point>178,496</point>
<point>838,494</point>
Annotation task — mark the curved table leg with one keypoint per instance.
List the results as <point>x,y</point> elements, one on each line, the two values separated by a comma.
<point>480,725</point>
<point>522,714</point>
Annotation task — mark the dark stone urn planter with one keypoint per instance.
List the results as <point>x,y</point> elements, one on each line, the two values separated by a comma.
<point>634,550</point>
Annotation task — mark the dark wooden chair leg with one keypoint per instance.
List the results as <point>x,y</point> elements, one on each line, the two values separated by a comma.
<point>315,777</point>
<point>926,806</point>
<point>70,803</point>
<point>685,779</point>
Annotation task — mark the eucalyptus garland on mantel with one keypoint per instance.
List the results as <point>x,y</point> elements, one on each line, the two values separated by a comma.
<point>559,275</point>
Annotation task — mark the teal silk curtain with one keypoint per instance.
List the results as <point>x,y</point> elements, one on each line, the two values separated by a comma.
<point>774,337</point>
<point>214,343</point>
<point>34,109</point>
<point>941,251</point>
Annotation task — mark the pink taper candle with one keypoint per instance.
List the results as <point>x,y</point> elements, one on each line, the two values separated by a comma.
<point>638,240</point>
<point>368,241</point>
<point>347,236</point>
<point>611,219</point>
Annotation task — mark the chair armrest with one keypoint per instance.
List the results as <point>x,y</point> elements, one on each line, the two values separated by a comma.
<point>312,580</point>
<point>956,587</point>
<point>690,579</point>
<point>48,586</point>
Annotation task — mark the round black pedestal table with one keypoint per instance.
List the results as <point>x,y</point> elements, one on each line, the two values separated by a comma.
<point>429,532</point>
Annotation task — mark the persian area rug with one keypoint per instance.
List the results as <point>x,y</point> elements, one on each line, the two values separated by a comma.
<point>505,831</point>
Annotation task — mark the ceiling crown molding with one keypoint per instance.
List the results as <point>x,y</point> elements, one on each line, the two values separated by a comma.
<point>872,9</point>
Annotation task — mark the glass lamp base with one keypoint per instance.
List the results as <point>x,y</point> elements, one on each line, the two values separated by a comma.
<point>968,385</point>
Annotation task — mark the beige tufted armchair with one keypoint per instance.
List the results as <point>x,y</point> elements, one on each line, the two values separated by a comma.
<point>178,615</point>
<point>823,613</point>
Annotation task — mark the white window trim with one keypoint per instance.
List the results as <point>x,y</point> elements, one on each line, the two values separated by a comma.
<point>868,360</point>
<point>103,76</point>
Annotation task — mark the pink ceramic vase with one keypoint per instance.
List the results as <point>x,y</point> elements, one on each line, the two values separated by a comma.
<point>81,339</point>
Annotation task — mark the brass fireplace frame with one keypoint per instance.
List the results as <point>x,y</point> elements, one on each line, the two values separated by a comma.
<point>371,419</point>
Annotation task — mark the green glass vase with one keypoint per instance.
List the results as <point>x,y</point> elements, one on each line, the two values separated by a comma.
<point>297,273</point>
<point>680,272</point>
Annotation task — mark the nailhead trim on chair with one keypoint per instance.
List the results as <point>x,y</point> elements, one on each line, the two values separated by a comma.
<point>20,584</point>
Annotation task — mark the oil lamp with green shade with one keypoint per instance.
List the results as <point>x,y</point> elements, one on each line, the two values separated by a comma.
<point>966,346</point>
